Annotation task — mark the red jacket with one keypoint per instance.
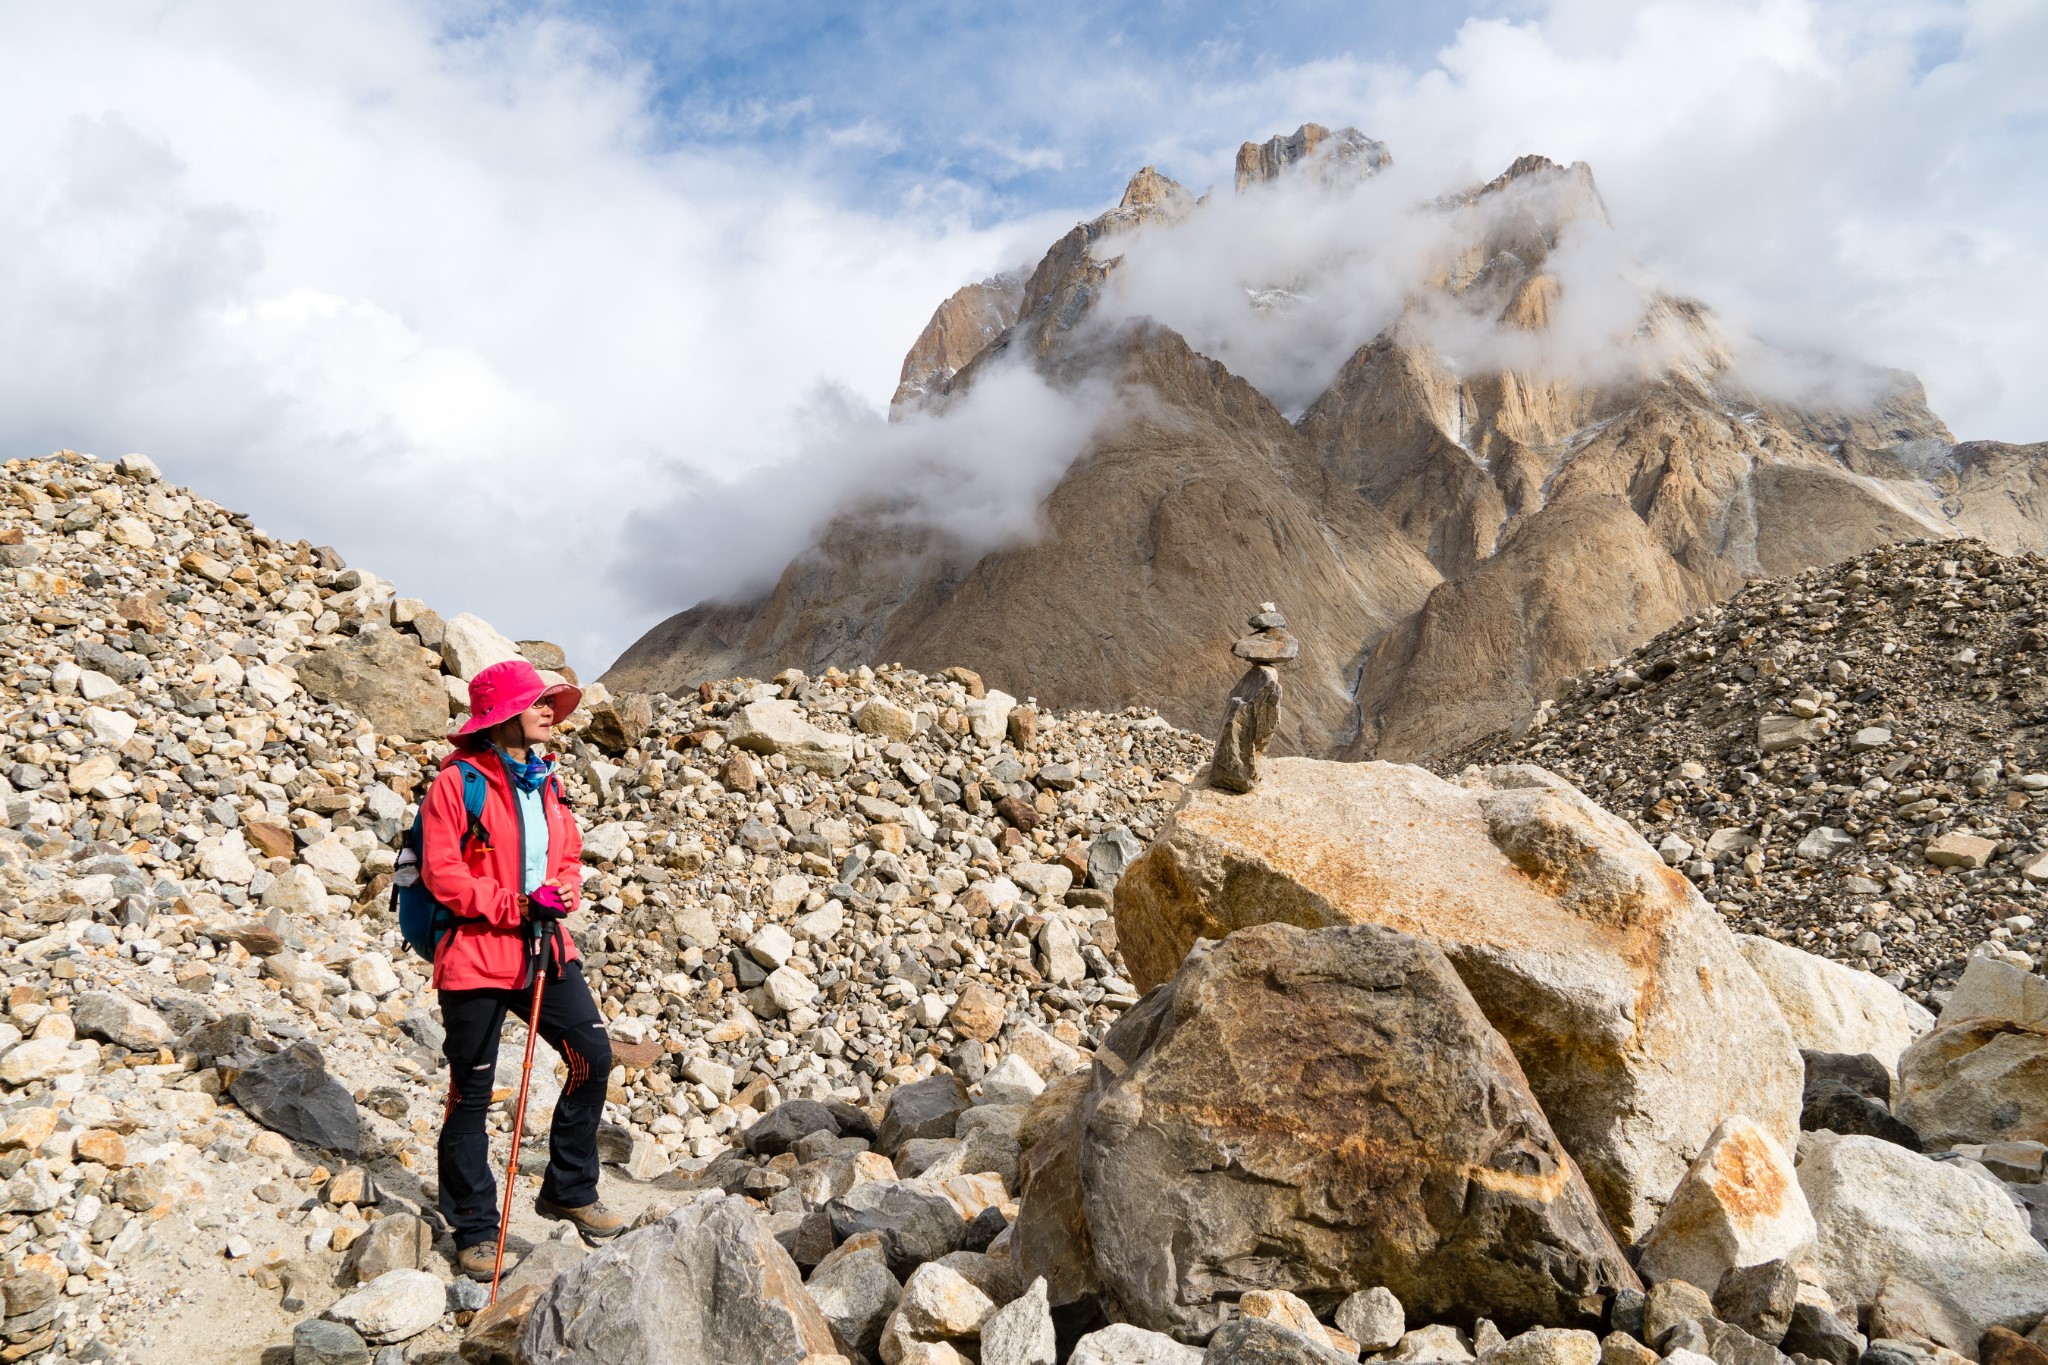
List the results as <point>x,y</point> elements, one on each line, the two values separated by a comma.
<point>480,883</point>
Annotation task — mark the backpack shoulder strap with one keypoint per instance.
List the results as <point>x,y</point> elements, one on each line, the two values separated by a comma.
<point>474,790</point>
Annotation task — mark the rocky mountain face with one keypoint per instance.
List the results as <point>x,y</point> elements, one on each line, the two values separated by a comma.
<point>1450,538</point>
<point>947,1029</point>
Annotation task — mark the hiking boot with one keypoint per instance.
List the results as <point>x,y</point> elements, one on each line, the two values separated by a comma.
<point>476,1260</point>
<point>593,1220</point>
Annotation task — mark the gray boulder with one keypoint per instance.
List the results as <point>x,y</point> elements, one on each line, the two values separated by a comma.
<point>1257,1341</point>
<point>291,1092</point>
<point>704,1286</point>
<point>382,677</point>
<point>915,1225</point>
<point>923,1109</point>
<point>114,1018</point>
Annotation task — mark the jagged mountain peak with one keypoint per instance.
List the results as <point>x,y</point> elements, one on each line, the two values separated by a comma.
<point>1334,157</point>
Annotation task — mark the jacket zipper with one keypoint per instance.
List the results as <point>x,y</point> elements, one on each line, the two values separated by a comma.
<point>518,823</point>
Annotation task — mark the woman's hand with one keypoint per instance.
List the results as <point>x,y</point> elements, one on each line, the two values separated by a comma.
<point>546,902</point>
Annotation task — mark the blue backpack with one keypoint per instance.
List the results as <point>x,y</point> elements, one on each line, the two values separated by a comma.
<point>423,921</point>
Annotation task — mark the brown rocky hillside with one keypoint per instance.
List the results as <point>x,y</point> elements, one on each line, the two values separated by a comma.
<point>1448,542</point>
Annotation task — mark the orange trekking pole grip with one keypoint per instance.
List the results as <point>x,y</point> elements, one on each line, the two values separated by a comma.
<point>540,977</point>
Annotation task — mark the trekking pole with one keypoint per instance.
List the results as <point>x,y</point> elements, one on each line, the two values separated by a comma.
<point>540,976</point>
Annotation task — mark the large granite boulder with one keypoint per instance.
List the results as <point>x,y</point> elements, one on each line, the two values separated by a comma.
<point>706,1285</point>
<point>1982,1076</point>
<point>1884,1212</point>
<point>1316,1111</point>
<point>1638,1020</point>
<point>382,676</point>
<point>1832,1008</point>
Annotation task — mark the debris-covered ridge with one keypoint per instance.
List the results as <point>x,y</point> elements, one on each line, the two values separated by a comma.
<point>1853,760</point>
<point>809,887</point>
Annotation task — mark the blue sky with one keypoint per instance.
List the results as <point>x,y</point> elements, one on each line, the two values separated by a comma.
<point>1011,107</point>
<point>378,271</point>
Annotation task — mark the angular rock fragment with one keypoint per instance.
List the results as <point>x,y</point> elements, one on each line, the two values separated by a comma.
<point>1739,1205</point>
<point>291,1092</point>
<point>1335,1092</point>
<point>1884,1212</point>
<point>704,1286</point>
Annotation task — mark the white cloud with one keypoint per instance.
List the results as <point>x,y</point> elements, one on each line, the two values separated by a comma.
<point>1851,176</point>
<point>974,472</point>
<point>448,305</point>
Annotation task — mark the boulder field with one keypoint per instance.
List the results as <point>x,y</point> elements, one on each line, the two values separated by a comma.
<point>947,1029</point>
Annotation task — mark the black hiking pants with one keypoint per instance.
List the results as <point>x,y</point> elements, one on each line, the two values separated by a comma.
<point>571,1025</point>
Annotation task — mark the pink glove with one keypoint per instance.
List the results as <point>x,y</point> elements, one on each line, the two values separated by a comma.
<point>545,903</point>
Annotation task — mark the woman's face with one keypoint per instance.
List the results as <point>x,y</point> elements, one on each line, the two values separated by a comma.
<point>534,725</point>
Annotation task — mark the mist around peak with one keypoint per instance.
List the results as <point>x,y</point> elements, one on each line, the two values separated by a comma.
<point>970,472</point>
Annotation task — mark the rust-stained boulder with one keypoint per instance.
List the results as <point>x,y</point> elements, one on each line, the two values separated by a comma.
<point>1740,1205</point>
<point>1982,1076</point>
<point>1626,999</point>
<point>706,1285</point>
<point>1319,1112</point>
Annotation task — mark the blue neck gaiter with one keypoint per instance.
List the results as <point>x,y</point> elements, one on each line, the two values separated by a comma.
<point>528,776</point>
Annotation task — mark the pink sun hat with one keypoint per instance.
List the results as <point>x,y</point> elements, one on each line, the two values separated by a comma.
<point>502,691</point>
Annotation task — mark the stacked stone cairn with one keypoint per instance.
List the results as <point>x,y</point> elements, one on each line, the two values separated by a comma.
<point>1252,712</point>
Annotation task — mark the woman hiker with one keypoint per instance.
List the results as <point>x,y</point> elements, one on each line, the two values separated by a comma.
<point>513,878</point>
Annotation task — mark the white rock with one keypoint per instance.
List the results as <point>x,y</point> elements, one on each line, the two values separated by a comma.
<point>471,644</point>
<point>787,892</point>
<point>1021,1331</point>
<point>822,924</point>
<point>1832,1008</point>
<point>36,1060</point>
<point>139,467</point>
<point>337,867</point>
<point>1884,1211</point>
<point>225,858</point>
<point>606,843</point>
<point>132,531</point>
<point>110,727</point>
<point>789,988</point>
<point>771,946</point>
<point>1739,1205</point>
<point>1012,1082</point>
<point>939,1301</point>
<point>395,1306</point>
<point>1435,1342</point>
<point>1868,738</point>
<point>989,717</point>
<point>1373,1318</point>
<point>1060,953</point>
<point>1044,879</point>
<point>269,683</point>
<point>373,975</point>
<point>299,893</point>
<point>1123,1344</point>
<point>780,727</point>
<point>94,685</point>
<point>1991,989</point>
<point>716,1077</point>
<point>1824,842</point>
